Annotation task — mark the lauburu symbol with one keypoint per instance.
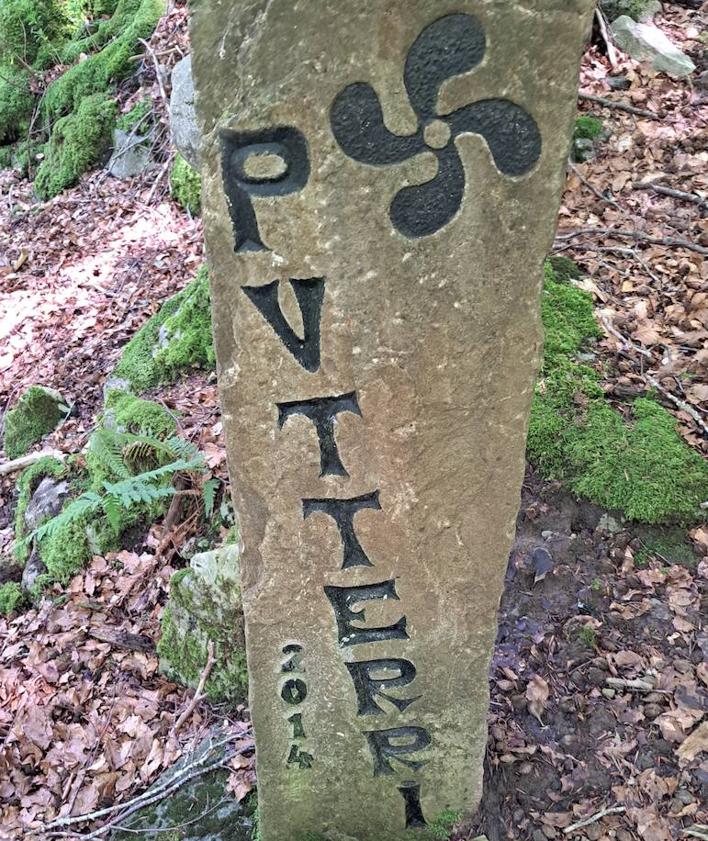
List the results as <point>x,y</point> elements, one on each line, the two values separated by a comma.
<point>452,45</point>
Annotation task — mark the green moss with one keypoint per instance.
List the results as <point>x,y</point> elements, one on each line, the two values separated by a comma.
<point>186,186</point>
<point>138,116</point>
<point>443,824</point>
<point>26,486</point>
<point>16,102</point>
<point>199,612</point>
<point>26,26</point>
<point>37,413</point>
<point>141,417</point>
<point>588,636</point>
<point>133,21</point>
<point>77,142</point>
<point>636,9</point>
<point>184,322</point>
<point>587,128</point>
<point>640,466</point>
<point>11,597</point>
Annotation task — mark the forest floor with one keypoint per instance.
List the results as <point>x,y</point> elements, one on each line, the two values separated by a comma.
<point>599,673</point>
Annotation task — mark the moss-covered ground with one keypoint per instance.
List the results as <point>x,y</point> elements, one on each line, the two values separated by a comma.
<point>186,186</point>
<point>175,339</point>
<point>636,463</point>
<point>37,413</point>
<point>73,118</point>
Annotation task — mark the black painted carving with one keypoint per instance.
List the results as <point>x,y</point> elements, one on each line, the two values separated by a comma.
<point>285,142</point>
<point>294,692</point>
<point>309,294</point>
<point>383,750</point>
<point>411,799</point>
<point>299,757</point>
<point>298,729</point>
<point>322,411</point>
<point>294,662</point>
<point>368,683</point>
<point>343,600</point>
<point>452,45</point>
<point>342,511</point>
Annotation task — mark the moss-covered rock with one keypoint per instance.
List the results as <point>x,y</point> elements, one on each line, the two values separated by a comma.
<point>26,26</point>
<point>186,186</point>
<point>38,412</point>
<point>205,606</point>
<point>635,9</point>
<point>16,103</point>
<point>77,142</point>
<point>640,466</point>
<point>127,413</point>
<point>26,486</point>
<point>175,339</point>
<point>587,134</point>
<point>119,40</point>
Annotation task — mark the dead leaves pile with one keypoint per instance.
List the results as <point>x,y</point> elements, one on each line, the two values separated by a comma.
<point>654,297</point>
<point>86,720</point>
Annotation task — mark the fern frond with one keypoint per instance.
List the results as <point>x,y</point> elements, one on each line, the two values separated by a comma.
<point>86,503</point>
<point>107,447</point>
<point>209,489</point>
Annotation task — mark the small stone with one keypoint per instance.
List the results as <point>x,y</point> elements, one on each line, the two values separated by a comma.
<point>594,831</point>
<point>647,43</point>
<point>596,676</point>
<point>684,796</point>
<point>549,831</point>
<point>131,154</point>
<point>618,83</point>
<point>547,534</point>
<point>608,693</point>
<point>538,835</point>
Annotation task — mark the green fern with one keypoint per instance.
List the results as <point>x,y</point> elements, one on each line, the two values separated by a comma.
<point>209,489</point>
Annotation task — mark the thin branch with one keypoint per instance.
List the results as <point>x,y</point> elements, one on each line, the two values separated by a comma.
<point>206,671</point>
<point>614,810</point>
<point>674,242</point>
<point>669,191</point>
<point>619,106</point>
<point>606,37</point>
<point>13,466</point>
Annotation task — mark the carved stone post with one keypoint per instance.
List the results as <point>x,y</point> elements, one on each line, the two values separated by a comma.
<point>381,182</point>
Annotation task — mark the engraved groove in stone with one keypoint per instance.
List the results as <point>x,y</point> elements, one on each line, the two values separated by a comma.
<point>342,511</point>
<point>285,142</point>
<point>309,294</point>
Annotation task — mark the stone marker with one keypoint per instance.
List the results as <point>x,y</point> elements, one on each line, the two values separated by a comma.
<point>381,182</point>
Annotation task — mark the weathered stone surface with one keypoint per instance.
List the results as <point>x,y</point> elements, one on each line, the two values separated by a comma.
<point>183,119</point>
<point>646,42</point>
<point>47,501</point>
<point>131,154</point>
<point>205,606</point>
<point>376,315</point>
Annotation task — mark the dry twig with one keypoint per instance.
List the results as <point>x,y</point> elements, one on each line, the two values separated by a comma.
<point>619,106</point>
<point>206,671</point>
<point>640,236</point>
<point>670,191</point>
<point>13,466</point>
<point>613,810</point>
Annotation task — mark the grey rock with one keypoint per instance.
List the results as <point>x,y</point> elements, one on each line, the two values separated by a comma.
<point>131,154</point>
<point>647,43</point>
<point>183,119</point>
<point>618,83</point>
<point>199,810</point>
<point>114,384</point>
<point>46,502</point>
<point>33,569</point>
<point>583,149</point>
